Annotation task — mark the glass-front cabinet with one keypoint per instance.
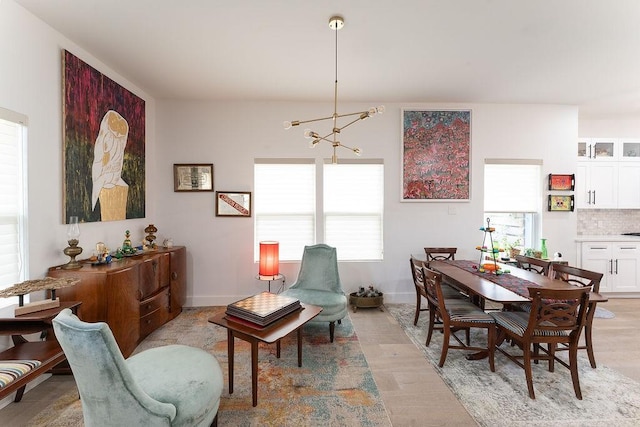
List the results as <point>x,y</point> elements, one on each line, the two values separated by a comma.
<point>607,149</point>
<point>593,149</point>
<point>630,150</point>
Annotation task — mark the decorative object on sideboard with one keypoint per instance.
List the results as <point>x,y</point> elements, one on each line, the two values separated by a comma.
<point>28,286</point>
<point>335,23</point>
<point>168,242</point>
<point>73,250</point>
<point>102,255</point>
<point>150,238</point>
<point>127,249</point>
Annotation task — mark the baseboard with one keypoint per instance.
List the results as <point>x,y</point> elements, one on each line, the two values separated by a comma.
<point>221,300</point>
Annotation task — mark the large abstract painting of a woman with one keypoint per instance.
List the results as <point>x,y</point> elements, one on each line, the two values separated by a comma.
<point>104,146</point>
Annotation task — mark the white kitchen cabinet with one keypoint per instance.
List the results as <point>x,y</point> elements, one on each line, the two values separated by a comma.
<point>596,185</point>
<point>629,185</point>
<point>629,150</point>
<point>619,262</point>
<point>598,149</point>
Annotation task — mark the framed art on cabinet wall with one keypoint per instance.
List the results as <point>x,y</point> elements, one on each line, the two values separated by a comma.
<point>103,146</point>
<point>560,203</point>
<point>562,182</point>
<point>436,150</point>
<point>192,177</point>
<point>233,203</point>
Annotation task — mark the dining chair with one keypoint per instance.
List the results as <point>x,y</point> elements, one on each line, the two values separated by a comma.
<point>557,317</point>
<point>536,265</point>
<point>583,279</point>
<point>456,315</point>
<point>418,282</point>
<point>440,254</point>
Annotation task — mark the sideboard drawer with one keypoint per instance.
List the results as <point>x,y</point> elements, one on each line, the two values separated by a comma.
<point>154,312</point>
<point>160,300</point>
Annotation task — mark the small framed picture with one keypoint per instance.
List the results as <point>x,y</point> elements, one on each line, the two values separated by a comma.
<point>233,203</point>
<point>560,203</point>
<point>192,177</point>
<point>562,182</point>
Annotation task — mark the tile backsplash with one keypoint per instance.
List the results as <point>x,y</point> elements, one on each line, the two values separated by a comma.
<point>608,221</point>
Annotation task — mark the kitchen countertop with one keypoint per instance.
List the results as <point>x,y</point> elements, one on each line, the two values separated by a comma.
<point>607,238</point>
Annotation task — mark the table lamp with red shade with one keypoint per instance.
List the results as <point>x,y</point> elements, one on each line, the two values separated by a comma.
<point>269,262</point>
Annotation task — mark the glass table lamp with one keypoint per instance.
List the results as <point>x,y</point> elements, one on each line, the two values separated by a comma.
<point>73,250</point>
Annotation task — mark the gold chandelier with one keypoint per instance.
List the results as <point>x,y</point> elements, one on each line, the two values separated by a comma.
<point>335,23</point>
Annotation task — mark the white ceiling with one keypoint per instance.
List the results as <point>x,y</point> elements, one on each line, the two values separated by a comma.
<point>579,52</point>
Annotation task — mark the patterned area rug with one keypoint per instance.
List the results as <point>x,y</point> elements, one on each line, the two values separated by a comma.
<point>334,386</point>
<point>501,398</point>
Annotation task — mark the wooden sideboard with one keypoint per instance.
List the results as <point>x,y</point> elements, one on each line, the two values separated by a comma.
<point>134,296</point>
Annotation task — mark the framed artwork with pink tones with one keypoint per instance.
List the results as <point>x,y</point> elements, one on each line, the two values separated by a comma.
<point>103,146</point>
<point>436,150</point>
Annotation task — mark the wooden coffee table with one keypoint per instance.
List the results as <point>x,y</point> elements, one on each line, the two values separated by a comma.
<point>269,334</point>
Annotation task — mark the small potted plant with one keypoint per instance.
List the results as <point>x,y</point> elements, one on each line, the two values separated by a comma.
<point>514,249</point>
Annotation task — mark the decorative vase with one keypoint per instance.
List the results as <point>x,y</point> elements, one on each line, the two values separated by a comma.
<point>543,249</point>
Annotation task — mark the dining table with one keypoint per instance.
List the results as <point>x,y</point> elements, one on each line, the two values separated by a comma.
<point>510,287</point>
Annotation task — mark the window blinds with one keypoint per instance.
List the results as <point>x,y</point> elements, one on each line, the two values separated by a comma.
<point>512,186</point>
<point>12,200</point>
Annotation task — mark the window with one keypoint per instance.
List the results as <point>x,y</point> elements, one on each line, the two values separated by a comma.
<point>12,201</point>
<point>285,205</point>
<point>350,205</point>
<point>512,199</point>
<point>353,207</point>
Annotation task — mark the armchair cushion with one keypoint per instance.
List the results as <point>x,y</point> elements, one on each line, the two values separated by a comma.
<point>174,374</point>
<point>334,305</point>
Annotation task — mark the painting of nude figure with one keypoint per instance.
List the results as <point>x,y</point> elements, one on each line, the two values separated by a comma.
<point>104,146</point>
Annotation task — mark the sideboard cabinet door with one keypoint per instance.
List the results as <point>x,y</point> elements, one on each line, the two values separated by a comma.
<point>178,280</point>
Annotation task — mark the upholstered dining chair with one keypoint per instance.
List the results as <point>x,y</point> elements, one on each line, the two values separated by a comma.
<point>536,265</point>
<point>174,385</point>
<point>557,317</point>
<point>318,283</point>
<point>456,315</point>
<point>418,282</point>
<point>583,279</point>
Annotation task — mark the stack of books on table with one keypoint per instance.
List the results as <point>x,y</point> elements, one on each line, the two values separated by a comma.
<point>262,309</point>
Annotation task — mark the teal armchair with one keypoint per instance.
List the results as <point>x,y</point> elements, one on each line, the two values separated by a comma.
<point>174,385</point>
<point>319,284</point>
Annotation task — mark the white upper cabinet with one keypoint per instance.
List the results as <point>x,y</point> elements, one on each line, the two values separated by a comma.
<point>608,174</point>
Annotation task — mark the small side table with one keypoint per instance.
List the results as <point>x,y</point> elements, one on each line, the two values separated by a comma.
<point>271,279</point>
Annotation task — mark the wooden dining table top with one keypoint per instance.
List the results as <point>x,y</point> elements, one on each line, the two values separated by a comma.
<point>476,284</point>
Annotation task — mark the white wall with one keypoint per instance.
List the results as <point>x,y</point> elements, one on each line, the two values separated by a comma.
<point>31,84</point>
<point>230,135</point>
<point>628,127</point>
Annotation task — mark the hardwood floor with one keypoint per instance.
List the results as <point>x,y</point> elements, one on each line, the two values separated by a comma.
<point>408,384</point>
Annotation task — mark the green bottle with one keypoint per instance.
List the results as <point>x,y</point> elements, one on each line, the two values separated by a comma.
<point>543,248</point>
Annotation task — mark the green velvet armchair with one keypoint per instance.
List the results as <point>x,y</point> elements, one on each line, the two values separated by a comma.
<point>319,284</point>
<point>174,385</point>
